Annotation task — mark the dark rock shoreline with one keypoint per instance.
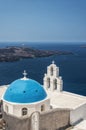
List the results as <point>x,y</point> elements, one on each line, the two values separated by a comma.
<point>10,54</point>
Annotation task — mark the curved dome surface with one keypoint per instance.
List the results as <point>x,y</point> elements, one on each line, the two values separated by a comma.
<point>24,91</point>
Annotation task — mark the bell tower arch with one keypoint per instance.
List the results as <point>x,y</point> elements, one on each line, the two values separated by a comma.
<point>52,80</point>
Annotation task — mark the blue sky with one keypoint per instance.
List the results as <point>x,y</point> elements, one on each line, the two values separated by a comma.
<point>43,20</point>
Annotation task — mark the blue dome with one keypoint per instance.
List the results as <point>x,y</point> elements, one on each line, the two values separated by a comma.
<point>24,91</point>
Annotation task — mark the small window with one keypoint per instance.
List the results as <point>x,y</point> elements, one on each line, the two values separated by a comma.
<point>55,84</point>
<point>42,108</point>
<point>48,82</point>
<point>51,71</point>
<point>6,108</point>
<point>24,111</point>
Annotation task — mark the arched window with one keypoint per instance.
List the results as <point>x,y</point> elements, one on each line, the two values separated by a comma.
<point>55,84</point>
<point>6,108</point>
<point>42,108</point>
<point>48,82</point>
<point>24,111</point>
<point>51,71</point>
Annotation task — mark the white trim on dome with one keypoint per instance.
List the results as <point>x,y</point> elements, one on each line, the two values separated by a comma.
<point>25,76</point>
<point>14,103</point>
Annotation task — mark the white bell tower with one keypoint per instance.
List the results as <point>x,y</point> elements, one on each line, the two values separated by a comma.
<point>52,80</point>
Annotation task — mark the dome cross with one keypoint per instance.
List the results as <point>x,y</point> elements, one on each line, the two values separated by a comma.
<point>53,62</point>
<point>25,74</point>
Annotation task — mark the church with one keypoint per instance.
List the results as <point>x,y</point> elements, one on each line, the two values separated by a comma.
<point>25,104</point>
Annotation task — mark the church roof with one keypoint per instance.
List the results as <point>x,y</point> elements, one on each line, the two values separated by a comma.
<point>24,91</point>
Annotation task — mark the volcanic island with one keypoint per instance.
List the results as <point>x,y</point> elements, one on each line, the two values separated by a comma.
<point>15,53</point>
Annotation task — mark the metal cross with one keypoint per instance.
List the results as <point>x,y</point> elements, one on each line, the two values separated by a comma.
<point>25,74</point>
<point>53,62</point>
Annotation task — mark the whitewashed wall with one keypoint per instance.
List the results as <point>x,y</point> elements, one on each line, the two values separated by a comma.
<point>16,109</point>
<point>78,114</point>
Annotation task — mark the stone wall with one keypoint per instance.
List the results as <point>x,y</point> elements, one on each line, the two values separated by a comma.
<point>13,123</point>
<point>55,120</point>
<point>52,120</point>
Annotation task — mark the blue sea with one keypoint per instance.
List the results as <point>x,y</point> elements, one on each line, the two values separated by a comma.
<point>72,67</point>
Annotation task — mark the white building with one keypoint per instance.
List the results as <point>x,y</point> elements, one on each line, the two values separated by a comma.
<point>27,105</point>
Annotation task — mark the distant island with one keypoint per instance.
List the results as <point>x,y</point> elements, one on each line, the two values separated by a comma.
<point>9,54</point>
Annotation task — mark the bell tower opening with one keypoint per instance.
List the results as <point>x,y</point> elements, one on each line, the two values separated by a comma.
<point>55,84</point>
<point>51,71</point>
<point>48,82</point>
